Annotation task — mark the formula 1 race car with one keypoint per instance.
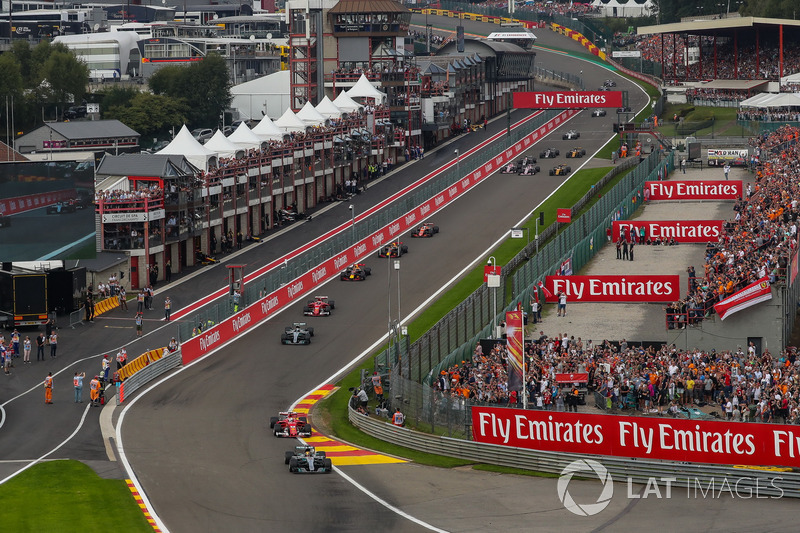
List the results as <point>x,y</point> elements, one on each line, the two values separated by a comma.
<point>426,229</point>
<point>306,459</point>
<point>609,83</point>
<point>319,306</point>
<point>599,113</point>
<point>529,170</point>
<point>571,135</point>
<point>624,109</point>
<point>576,152</point>
<point>550,152</point>
<point>393,249</point>
<point>297,333</point>
<point>560,170</point>
<point>61,207</point>
<point>5,221</point>
<point>290,424</point>
<point>356,272</point>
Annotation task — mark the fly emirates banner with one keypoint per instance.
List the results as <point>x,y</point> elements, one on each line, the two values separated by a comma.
<point>646,438</point>
<point>694,190</point>
<point>614,288</point>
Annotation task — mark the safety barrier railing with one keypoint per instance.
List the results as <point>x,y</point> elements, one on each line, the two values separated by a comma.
<point>637,470</point>
<point>295,267</point>
<point>140,362</point>
<point>167,362</point>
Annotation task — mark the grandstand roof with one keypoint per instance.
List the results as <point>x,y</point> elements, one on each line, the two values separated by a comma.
<point>736,85</point>
<point>721,26</point>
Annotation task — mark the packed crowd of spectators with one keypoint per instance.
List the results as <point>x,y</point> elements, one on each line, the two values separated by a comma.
<point>743,384</point>
<point>122,197</point>
<point>744,61</point>
<point>759,241</point>
<point>783,114</point>
<point>696,94</point>
<point>421,36</point>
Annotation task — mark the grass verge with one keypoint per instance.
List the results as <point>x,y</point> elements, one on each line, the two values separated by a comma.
<point>71,497</point>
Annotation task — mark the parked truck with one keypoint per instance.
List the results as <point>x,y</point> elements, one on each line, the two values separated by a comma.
<point>23,297</point>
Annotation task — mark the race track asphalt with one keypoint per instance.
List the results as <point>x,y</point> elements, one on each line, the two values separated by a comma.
<point>199,443</point>
<point>34,234</point>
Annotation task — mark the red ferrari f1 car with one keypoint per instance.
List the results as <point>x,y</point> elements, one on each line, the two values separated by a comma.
<point>319,306</point>
<point>290,424</point>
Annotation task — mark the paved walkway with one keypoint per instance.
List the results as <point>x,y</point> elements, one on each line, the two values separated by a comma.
<point>645,322</point>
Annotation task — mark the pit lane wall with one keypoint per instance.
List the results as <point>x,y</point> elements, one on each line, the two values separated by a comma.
<point>767,482</point>
<point>147,373</point>
<point>254,314</point>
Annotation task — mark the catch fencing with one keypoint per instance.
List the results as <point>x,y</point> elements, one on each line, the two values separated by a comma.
<point>453,337</point>
<point>293,268</point>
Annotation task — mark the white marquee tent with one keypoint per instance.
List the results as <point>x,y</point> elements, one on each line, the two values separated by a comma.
<point>224,147</point>
<point>328,109</point>
<point>267,130</point>
<point>765,100</point>
<point>310,116</point>
<point>244,138</point>
<point>346,104</point>
<point>267,95</point>
<point>364,89</point>
<point>290,123</point>
<point>194,152</point>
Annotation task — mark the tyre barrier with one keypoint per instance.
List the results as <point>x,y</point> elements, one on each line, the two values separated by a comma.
<point>764,482</point>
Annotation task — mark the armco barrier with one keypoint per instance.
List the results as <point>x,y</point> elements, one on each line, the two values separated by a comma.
<point>140,362</point>
<point>278,299</point>
<point>148,373</point>
<point>719,477</point>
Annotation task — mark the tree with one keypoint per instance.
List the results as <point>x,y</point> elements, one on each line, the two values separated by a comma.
<point>115,97</point>
<point>150,114</point>
<point>204,86</point>
<point>66,75</point>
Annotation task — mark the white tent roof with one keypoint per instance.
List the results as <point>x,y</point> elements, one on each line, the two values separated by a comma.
<point>364,89</point>
<point>328,109</point>
<point>220,144</point>
<point>791,78</point>
<point>346,104</point>
<point>267,130</point>
<point>290,123</point>
<point>772,100</point>
<point>310,116</point>
<point>245,138</point>
<point>186,145</point>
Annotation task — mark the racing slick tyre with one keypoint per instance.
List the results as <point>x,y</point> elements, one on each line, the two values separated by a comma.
<point>538,169</point>
<point>293,464</point>
<point>272,421</point>
<point>404,249</point>
<point>310,332</point>
<point>306,309</point>
<point>303,419</point>
<point>367,271</point>
<point>322,454</point>
<point>332,304</point>
<point>328,465</point>
<point>552,172</point>
<point>569,155</point>
<point>569,169</point>
<point>436,229</point>
<point>583,152</point>
<point>284,340</point>
<point>558,152</point>
<point>288,456</point>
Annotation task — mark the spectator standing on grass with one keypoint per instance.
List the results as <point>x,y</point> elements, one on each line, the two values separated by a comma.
<point>562,303</point>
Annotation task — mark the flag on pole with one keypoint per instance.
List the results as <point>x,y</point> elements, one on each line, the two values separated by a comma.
<point>547,293</point>
<point>514,350</point>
